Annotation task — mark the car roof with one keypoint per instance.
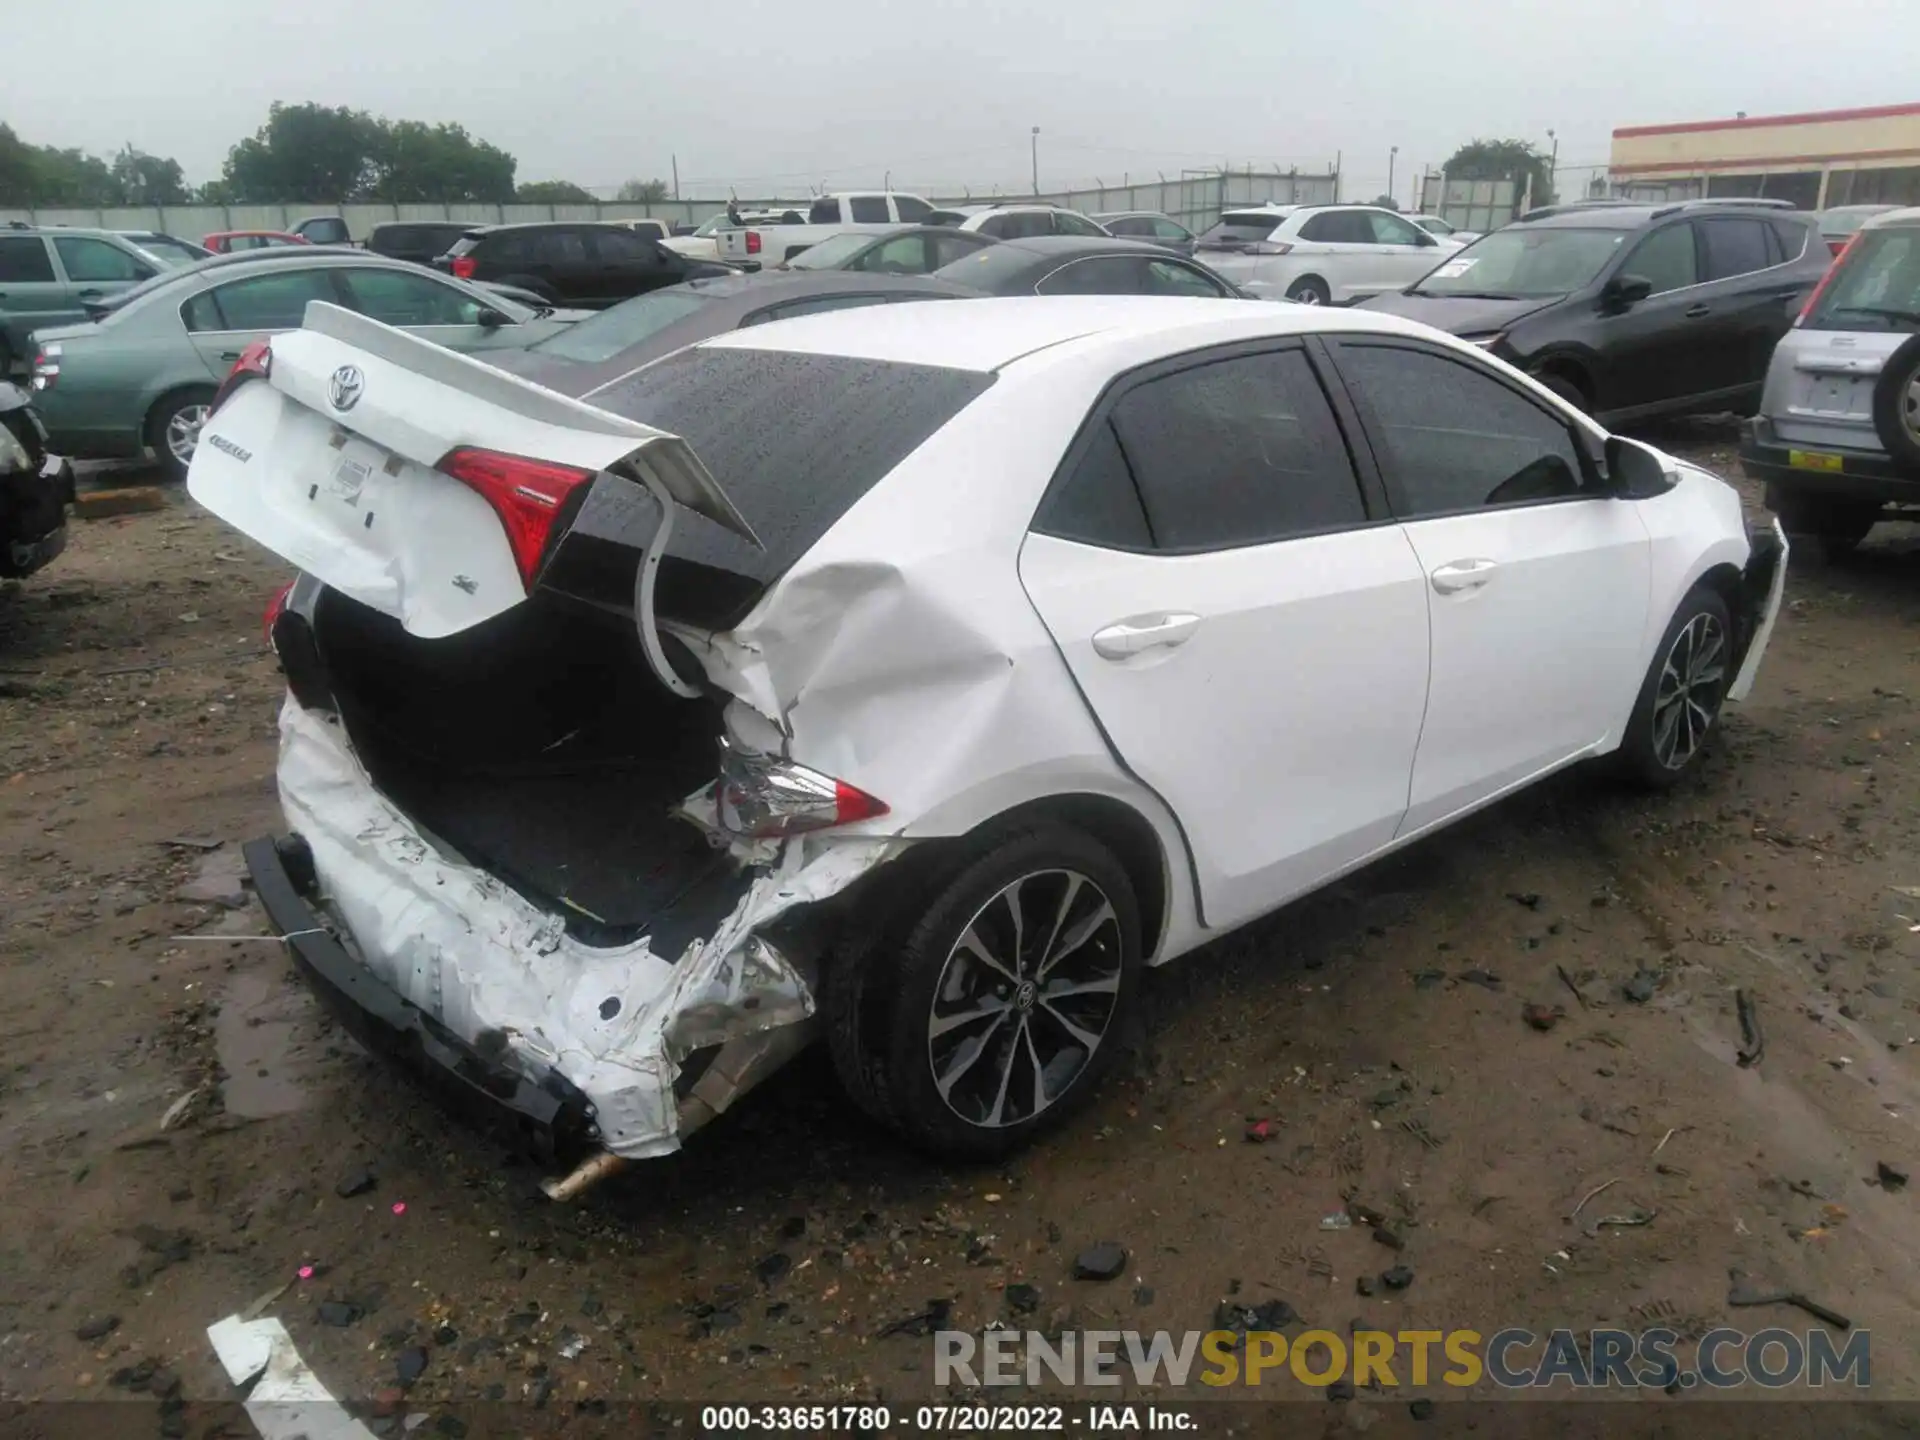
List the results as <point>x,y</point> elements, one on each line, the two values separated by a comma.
<point>771,287</point>
<point>1898,219</point>
<point>1051,247</point>
<point>989,334</point>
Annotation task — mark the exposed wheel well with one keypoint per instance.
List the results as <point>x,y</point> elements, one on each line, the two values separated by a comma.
<point>1123,830</point>
<point>1310,279</point>
<point>159,406</point>
<point>1572,372</point>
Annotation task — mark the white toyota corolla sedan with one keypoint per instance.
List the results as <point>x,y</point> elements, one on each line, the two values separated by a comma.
<point>913,676</point>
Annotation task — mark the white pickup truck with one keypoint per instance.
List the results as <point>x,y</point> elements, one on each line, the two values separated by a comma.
<point>771,244</point>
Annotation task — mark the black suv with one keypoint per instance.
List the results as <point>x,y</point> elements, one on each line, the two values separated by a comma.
<point>573,263</point>
<point>1631,310</point>
<point>421,241</point>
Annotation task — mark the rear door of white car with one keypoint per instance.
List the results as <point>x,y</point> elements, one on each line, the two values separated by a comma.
<point>1244,619</point>
<point>1537,579</point>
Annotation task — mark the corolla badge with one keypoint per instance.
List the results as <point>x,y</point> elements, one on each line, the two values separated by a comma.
<point>345,387</point>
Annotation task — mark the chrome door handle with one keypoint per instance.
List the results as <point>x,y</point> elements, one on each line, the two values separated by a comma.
<point>1125,638</point>
<point>1463,575</point>
<point>1697,312</point>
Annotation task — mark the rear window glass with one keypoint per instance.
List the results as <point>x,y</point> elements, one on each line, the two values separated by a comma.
<point>794,440</point>
<point>1878,288</point>
<point>1236,229</point>
<point>622,327</point>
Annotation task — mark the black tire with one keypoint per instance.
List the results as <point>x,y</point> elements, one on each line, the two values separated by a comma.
<point>883,999</point>
<point>1310,290</point>
<point>162,437</point>
<point>1896,404</point>
<point>1645,757</point>
<point>1824,530</point>
<point>539,287</point>
<point>1566,389</point>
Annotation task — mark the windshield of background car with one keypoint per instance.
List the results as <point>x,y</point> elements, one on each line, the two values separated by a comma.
<point>830,252</point>
<point>1520,263</point>
<point>1238,229</point>
<point>1877,286</point>
<point>625,325</point>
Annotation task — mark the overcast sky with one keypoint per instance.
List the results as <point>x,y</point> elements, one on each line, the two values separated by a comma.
<point>781,95</point>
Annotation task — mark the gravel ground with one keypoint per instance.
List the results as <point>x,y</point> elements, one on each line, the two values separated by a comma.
<point>1378,1027</point>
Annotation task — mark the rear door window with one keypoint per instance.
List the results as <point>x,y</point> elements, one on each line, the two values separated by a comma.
<point>1065,222</point>
<point>869,210</point>
<point>1104,275</point>
<point>88,261</point>
<point>1170,277</point>
<point>1241,451</point>
<point>1667,258</point>
<point>1098,503</point>
<point>24,260</point>
<point>1735,246</point>
<point>1391,229</point>
<point>276,301</point>
<point>396,297</point>
<point>1238,229</point>
<point>1793,236</point>
<point>912,209</point>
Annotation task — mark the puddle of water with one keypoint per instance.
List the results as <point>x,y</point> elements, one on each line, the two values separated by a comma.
<point>267,1066</point>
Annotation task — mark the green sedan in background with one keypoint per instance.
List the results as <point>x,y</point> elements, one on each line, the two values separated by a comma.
<point>141,376</point>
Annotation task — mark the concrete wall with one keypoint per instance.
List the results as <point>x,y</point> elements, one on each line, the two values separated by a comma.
<point>1195,200</point>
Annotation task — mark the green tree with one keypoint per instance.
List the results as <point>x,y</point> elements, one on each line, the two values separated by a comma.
<point>305,152</point>
<point>17,170</point>
<point>415,162</point>
<point>644,192</point>
<point>553,192</point>
<point>1386,202</point>
<point>72,177</point>
<point>1514,160</point>
<point>148,179</point>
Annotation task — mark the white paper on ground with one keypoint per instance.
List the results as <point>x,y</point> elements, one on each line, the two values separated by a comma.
<point>289,1401</point>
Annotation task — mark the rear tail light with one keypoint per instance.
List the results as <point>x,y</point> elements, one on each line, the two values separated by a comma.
<point>753,242</point>
<point>526,494</point>
<point>1826,280</point>
<point>464,266</point>
<point>1834,247</point>
<point>762,797</point>
<point>255,363</point>
<point>46,367</point>
<point>276,607</point>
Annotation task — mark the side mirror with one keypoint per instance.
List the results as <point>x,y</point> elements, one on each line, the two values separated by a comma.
<point>491,319</point>
<point>1625,290</point>
<point>1635,472</point>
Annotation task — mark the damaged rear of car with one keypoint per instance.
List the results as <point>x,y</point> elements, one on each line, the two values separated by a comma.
<point>548,831</point>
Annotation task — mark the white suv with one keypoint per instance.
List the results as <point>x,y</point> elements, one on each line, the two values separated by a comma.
<point>1320,254</point>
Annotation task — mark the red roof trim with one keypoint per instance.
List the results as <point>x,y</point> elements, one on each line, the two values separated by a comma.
<point>1811,117</point>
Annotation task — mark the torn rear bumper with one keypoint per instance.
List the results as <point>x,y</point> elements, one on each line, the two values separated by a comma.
<point>546,1115</point>
<point>448,965</point>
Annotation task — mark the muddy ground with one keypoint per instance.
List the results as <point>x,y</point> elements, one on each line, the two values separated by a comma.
<point>1378,1026</point>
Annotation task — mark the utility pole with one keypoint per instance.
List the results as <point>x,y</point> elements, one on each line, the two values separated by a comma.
<point>1553,169</point>
<point>676,177</point>
<point>1392,155</point>
<point>1036,159</point>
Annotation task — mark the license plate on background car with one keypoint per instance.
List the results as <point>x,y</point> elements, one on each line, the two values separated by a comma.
<point>1814,460</point>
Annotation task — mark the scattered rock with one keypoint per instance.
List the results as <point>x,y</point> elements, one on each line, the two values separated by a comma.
<point>1640,988</point>
<point>1485,979</point>
<point>410,1364</point>
<point>338,1313</point>
<point>357,1181</point>
<point>1398,1278</point>
<point>591,1305</point>
<point>1244,1320</point>
<point>1890,1177</point>
<point>99,1327</point>
<point>773,1268</point>
<point>1143,1295</point>
<point>446,1335</point>
<point>1022,1299</point>
<point>933,1318</point>
<point>1421,1409</point>
<point>1364,1285</point>
<point>793,1227</point>
<point>1542,1017</point>
<point>1527,898</point>
<point>1104,1261</point>
<point>1388,1238</point>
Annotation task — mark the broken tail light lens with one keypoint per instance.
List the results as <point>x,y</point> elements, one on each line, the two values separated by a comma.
<point>1826,280</point>
<point>46,367</point>
<point>464,267</point>
<point>276,607</point>
<point>763,797</point>
<point>255,363</point>
<point>527,495</point>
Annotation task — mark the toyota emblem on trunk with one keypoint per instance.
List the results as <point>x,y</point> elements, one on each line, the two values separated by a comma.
<point>345,388</point>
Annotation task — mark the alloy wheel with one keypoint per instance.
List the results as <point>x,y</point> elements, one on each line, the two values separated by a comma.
<point>1026,996</point>
<point>183,431</point>
<point>1910,405</point>
<point>1692,683</point>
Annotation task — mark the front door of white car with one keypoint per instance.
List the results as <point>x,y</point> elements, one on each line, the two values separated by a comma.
<point>1537,579</point>
<point>1246,624</point>
<point>1404,252</point>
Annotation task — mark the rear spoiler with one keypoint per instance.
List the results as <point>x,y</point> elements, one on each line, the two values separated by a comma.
<point>660,461</point>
